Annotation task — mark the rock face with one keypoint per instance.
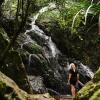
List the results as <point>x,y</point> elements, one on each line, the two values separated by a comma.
<point>15,69</point>
<point>37,65</point>
<point>91,91</point>
<point>10,91</point>
<point>13,65</point>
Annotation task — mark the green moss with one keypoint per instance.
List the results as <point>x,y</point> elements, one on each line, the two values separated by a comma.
<point>97,76</point>
<point>7,92</point>
<point>91,91</point>
<point>2,88</point>
<point>49,15</point>
<point>13,92</point>
<point>36,48</point>
<point>88,91</point>
<point>14,68</point>
<point>9,8</point>
<point>2,85</point>
<point>33,48</point>
<point>83,93</point>
<point>96,95</point>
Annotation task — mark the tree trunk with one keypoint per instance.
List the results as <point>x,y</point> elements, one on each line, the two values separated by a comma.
<point>24,18</point>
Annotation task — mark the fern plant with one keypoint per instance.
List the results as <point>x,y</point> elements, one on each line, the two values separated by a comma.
<point>73,12</point>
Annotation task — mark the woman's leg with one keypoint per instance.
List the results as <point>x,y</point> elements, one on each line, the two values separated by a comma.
<point>73,90</point>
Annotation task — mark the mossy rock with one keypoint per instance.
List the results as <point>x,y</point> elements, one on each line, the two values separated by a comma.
<point>97,76</point>
<point>14,68</point>
<point>91,91</point>
<point>10,91</point>
<point>28,44</point>
<point>2,88</point>
<point>33,48</point>
<point>6,92</point>
<point>96,95</point>
<point>10,7</point>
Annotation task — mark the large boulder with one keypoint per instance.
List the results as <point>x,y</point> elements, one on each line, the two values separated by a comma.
<point>29,51</point>
<point>13,65</point>
<point>15,69</point>
<point>91,91</point>
<point>10,91</point>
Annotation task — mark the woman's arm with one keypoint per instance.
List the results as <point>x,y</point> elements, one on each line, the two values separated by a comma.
<point>77,77</point>
<point>69,77</point>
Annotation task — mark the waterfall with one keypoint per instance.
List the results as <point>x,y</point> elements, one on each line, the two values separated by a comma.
<point>50,43</point>
<point>29,59</point>
<point>39,32</point>
<point>84,69</point>
<point>55,70</point>
<point>53,47</point>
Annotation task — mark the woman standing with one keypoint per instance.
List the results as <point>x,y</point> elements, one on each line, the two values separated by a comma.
<point>73,78</point>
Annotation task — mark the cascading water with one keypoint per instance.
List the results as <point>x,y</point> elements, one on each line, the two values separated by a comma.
<point>40,33</point>
<point>84,69</point>
<point>56,72</point>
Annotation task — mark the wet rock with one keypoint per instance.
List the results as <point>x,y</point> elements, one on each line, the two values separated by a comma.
<point>30,51</point>
<point>25,42</point>
<point>15,69</point>
<point>13,65</point>
<point>48,71</point>
<point>10,91</point>
<point>37,84</point>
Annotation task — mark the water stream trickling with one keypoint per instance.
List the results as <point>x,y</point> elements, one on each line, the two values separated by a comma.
<point>51,54</point>
<point>84,69</point>
<point>40,32</point>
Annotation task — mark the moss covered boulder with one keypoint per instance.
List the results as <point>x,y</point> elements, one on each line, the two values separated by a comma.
<point>13,65</point>
<point>14,68</point>
<point>10,91</point>
<point>91,91</point>
<point>26,43</point>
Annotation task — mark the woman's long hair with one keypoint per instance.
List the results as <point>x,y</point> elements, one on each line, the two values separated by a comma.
<point>71,66</point>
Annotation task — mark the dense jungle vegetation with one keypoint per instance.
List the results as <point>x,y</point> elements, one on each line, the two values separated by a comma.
<point>38,41</point>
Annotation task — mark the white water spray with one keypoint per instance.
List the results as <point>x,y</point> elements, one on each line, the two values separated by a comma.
<point>40,32</point>
<point>86,70</point>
